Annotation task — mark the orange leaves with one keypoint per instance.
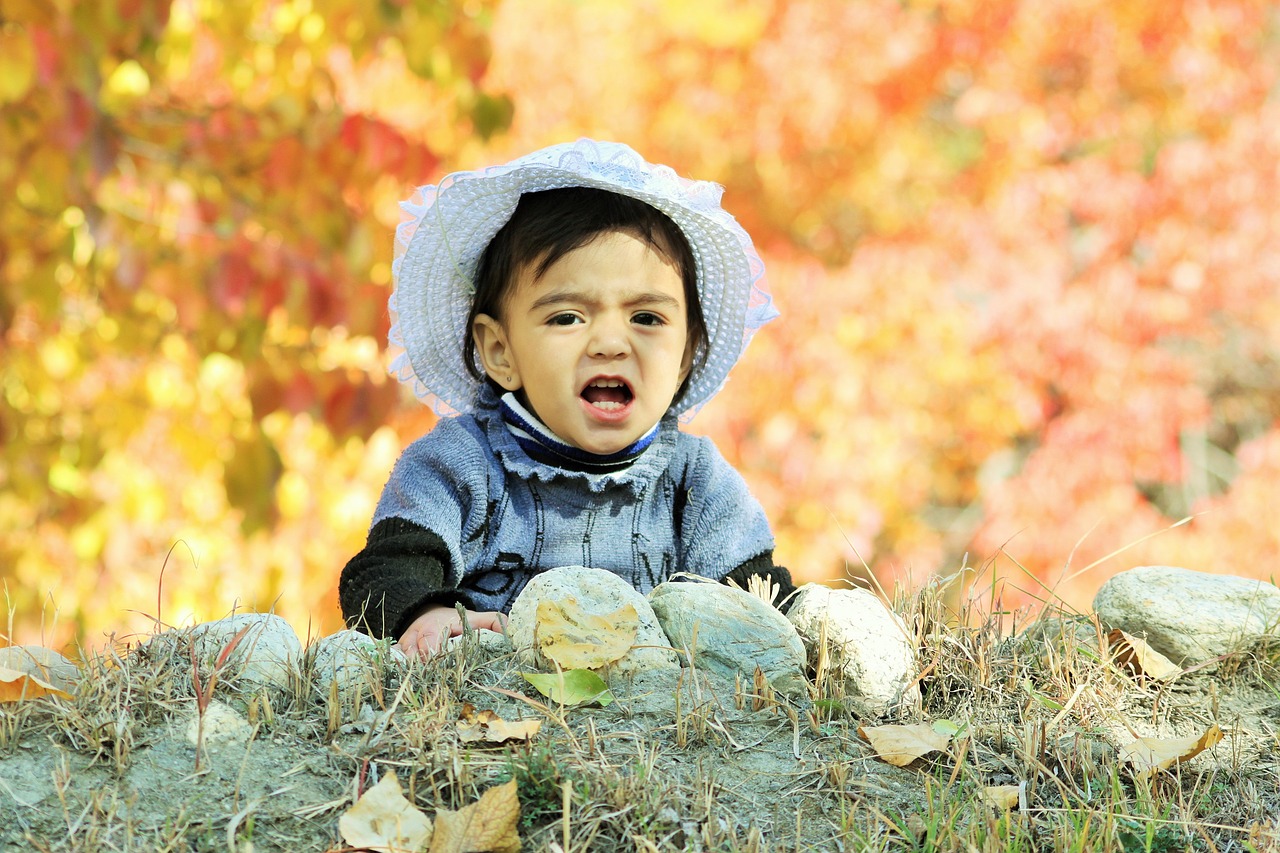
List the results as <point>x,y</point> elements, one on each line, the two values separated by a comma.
<point>486,826</point>
<point>1147,756</point>
<point>901,745</point>
<point>487,727</point>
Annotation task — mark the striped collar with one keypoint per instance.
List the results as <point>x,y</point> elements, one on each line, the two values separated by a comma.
<point>542,445</point>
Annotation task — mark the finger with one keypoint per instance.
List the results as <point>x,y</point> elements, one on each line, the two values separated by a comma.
<point>489,620</point>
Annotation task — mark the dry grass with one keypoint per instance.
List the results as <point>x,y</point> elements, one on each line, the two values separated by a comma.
<point>684,763</point>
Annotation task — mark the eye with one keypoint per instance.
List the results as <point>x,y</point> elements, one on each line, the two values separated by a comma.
<point>648,318</point>
<point>565,319</point>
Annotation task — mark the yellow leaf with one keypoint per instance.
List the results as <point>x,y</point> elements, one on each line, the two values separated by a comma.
<point>575,639</point>
<point>16,686</point>
<point>17,64</point>
<point>487,726</point>
<point>901,745</point>
<point>1149,755</point>
<point>485,826</point>
<point>1001,796</point>
<point>385,821</point>
<point>1136,653</point>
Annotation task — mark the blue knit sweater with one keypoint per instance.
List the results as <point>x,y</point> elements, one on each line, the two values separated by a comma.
<point>469,516</point>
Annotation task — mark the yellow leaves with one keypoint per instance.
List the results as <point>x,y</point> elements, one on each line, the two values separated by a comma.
<point>1002,796</point>
<point>901,745</point>
<point>1147,756</point>
<point>487,726</point>
<point>485,826</point>
<point>126,84</point>
<point>1136,654</point>
<point>384,820</point>
<point>575,639</point>
<point>17,64</point>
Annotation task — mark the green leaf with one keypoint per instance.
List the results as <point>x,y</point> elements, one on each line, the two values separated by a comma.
<point>571,687</point>
<point>948,728</point>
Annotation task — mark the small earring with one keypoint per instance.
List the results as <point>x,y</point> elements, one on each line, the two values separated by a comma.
<point>508,378</point>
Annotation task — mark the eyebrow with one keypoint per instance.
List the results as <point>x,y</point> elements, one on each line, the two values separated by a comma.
<point>558,297</point>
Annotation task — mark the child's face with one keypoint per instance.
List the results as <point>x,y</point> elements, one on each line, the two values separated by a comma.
<point>598,346</point>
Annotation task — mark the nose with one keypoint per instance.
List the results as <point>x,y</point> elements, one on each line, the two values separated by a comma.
<point>609,338</point>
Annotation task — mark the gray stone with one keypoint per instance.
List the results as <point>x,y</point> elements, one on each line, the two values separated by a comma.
<point>43,663</point>
<point>865,640</point>
<point>1188,616</point>
<point>490,643</point>
<point>597,592</point>
<point>267,654</point>
<point>730,631</point>
<point>350,658</point>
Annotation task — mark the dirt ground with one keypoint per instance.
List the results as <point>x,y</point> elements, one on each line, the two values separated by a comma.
<point>679,761</point>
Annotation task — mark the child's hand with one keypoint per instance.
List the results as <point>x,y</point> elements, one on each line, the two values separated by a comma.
<point>425,634</point>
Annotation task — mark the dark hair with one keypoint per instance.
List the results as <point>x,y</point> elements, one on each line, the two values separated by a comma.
<point>547,225</point>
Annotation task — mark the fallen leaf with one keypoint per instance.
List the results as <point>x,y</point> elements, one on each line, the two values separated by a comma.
<point>572,687</point>
<point>1136,653</point>
<point>1001,796</point>
<point>488,825</point>
<point>487,726</point>
<point>383,820</point>
<point>901,745</point>
<point>1149,755</point>
<point>15,686</point>
<point>575,639</point>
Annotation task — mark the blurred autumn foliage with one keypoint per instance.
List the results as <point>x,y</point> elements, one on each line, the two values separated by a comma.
<point>1025,252</point>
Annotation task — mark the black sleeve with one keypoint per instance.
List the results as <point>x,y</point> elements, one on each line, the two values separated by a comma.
<point>403,568</point>
<point>762,566</point>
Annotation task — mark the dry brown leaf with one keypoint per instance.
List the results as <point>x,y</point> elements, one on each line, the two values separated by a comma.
<point>16,686</point>
<point>1149,755</point>
<point>383,820</point>
<point>901,745</point>
<point>1135,652</point>
<point>487,726</point>
<point>1001,796</point>
<point>486,826</point>
<point>576,639</point>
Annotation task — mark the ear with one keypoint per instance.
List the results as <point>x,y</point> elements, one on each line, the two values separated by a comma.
<point>686,363</point>
<point>495,352</point>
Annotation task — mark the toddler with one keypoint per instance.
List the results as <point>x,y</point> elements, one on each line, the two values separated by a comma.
<point>561,310</point>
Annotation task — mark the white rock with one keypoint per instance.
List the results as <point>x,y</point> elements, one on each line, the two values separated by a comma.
<point>597,592</point>
<point>222,725</point>
<point>268,653</point>
<point>351,658</point>
<point>866,640</point>
<point>491,642</point>
<point>731,632</point>
<point>43,663</point>
<point>1188,616</point>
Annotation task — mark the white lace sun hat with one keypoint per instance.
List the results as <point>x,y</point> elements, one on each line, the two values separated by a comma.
<point>449,225</point>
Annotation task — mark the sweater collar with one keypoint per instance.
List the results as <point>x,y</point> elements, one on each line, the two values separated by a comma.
<point>543,445</point>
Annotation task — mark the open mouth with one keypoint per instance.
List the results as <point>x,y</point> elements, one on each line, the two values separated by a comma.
<point>609,395</point>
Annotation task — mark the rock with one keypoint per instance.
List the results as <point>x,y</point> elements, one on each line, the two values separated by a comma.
<point>43,663</point>
<point>866,640</point>
<point>351,658</point>
<point>267,654</point>
<point>1185,615</point>
<point>222,725</point>
<point>491,643</point>
<point>730,631</point>
<point>597,592</point>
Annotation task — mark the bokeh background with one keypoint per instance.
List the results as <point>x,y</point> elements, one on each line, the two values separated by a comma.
<point>1027,254</point>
